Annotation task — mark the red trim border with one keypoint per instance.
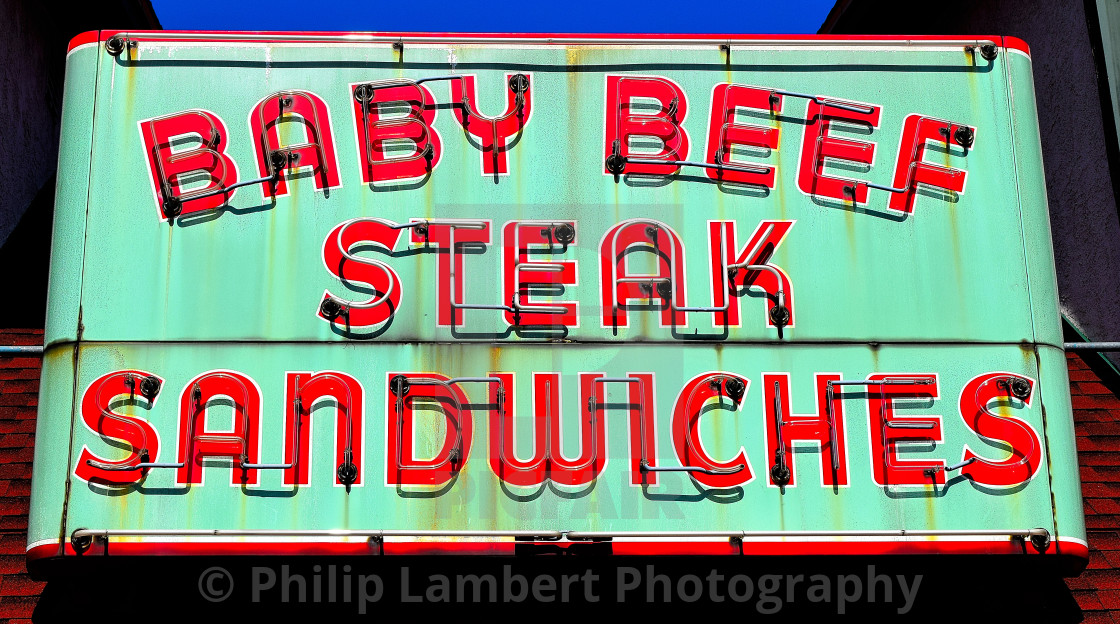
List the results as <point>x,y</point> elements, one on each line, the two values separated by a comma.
<point>1064,548</point>
<point>1015,43</point>
<point>89,36</point>
<point>195,35</point>
<point>93,36</point>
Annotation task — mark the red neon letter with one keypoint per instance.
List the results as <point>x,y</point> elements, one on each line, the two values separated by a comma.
<point>305,109</point>
<point>100,418</point>
<point>548,460</point>
<point>887,430</point>
<point>503,445</point>
<point>618,287</point>
<point>402,467</point>
<point>690,451</point>
<point>592,431</point>
<point>1026,449</point>
<point>911,171</point>
<point>379,148</point>
<point>346,394</point>
<point>523,244</point>
<point>360,270</point>
<point>493,133</point>
<point>819,145</point>
<point>196,443</point>
<point>724,133</point>
<point>757,252</point>
<point>812,427</point>
<point>449,280</point>
<point>662,123</point>
<point>173,168</point>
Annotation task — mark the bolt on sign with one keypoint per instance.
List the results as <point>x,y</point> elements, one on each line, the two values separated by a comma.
<point>457,293</point>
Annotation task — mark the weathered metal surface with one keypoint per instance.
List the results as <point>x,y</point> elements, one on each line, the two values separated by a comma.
<point>959,288</point>
<point>859,273</point>
<point>475,501</point>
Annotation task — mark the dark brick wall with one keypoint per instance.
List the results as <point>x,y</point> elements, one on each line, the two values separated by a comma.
<point>1096,414</point>
<point>19,396</point>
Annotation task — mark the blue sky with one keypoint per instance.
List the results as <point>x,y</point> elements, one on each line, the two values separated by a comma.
<point>646,16</point>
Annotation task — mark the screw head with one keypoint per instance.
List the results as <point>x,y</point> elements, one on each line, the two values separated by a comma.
<point>1020,388</point>
<point>780,475</point>
<point>665,289</point>
<point>172,207</point>
<point>1041,541</point>
<point>80,543</point>
<point>115,45</point>
<point>616,164</point>
<point>989,52</point>
<point>564,234</point>
<point>279,159</point>
<point>330,308</point>
<point>735,388</point>
<point>398,385</point>
<point>150,386</point>
<point>779,315</point>
<point>519,83</point>
<point>363,93</point>
<point>347,473</point>
<point>964,136</point>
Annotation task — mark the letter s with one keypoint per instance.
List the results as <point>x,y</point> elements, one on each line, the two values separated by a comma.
<point>99,417</point>
<point>384,281</point>
<point>1008,431</point>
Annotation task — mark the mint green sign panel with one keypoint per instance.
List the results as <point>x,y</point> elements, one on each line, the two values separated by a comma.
<point>415,293</point>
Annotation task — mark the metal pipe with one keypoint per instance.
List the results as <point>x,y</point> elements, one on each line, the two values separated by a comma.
<point>83,533</point>
<point>14,349</point>
<point>1091,346</point>
<point>638,160</point>
<point>225,190</point>
<point>375,533</point>
<point>826,101</point>
<point>170,36</point>
<point>1020,533</point>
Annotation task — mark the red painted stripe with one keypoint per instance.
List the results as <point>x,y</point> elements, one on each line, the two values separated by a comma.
<point>89,36</point>
<point>927,547</point>
<point>1073,549</point>
<point>1015,43</point>
<point>45,551</point>
<point>450,548</point>
<point>674,548</point>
